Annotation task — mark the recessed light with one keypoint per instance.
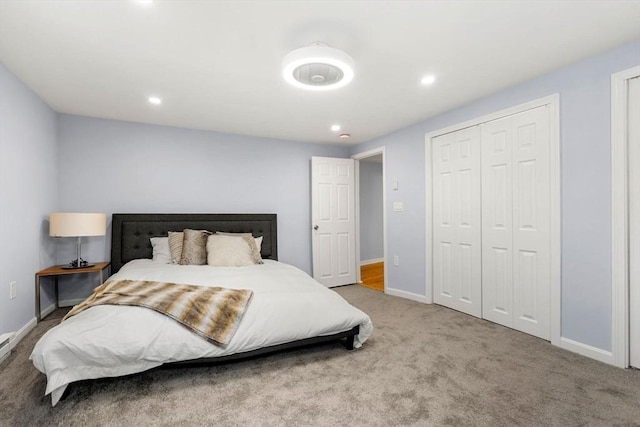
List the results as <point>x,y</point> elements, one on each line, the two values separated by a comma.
<point>344,135</point>
<point>335,128</point>
<point>428,79</point>
<point>155,100</point>
<point>144,2</point>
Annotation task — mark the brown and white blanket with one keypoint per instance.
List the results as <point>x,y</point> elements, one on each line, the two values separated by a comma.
<point>211,312</point>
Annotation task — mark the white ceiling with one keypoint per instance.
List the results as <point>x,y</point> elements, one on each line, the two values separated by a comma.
<point>217,64</point>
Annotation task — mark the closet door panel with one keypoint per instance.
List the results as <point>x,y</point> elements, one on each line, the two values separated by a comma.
<point>443,271</point>
<point>456,221</point>
<point>531,263</point>
<point>497,212</point>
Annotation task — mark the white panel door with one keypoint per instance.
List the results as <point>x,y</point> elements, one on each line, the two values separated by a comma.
<point>497,212</point>
<point>332,216</point>
<point>531,222</point>
<point>515,221</point>
<point>456,221</point>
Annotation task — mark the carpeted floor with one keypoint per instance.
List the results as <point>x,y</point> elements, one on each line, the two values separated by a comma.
<point>425,365</point>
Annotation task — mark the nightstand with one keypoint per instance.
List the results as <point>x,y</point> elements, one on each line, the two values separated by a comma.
<point>57,271</point>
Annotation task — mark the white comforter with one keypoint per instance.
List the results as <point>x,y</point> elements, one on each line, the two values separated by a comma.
<point>109,341</point>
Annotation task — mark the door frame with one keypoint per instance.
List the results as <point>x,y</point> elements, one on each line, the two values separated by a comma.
<point>357,157</point>
<point>553,102</point>
<point>620,237</point>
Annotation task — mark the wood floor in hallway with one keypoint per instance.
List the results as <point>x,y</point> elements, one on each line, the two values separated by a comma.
<point>372,276</point>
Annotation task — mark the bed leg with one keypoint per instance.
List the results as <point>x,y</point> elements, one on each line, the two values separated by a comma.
<point>349,343</point>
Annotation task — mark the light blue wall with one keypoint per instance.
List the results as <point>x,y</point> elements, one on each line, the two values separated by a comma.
<point>28,193</point>
<point>113,166</point>
<point>585,114</point>
<point>371,210</point>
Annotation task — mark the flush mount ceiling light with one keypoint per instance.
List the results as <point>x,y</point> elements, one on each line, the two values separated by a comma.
<point>318,67</point>
<point>155,100</point>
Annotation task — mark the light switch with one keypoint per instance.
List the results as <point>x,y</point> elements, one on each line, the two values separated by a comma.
<point>395,184</point>
<point>398,207</point>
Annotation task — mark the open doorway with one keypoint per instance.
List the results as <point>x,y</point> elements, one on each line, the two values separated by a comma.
<point>370,223</point>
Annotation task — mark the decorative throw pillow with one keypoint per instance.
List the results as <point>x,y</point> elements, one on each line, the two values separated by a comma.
<point>228,250</point>
<point>161,252</point>
<point>194,247</point>
<point>258,248</point>
<point>175,246</point>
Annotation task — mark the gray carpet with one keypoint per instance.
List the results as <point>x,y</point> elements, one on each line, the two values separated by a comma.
<point>425,365</point>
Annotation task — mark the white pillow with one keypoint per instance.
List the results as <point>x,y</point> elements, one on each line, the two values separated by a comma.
<point>161,251</point>
<point>258,241</point>
<point>224,250</point>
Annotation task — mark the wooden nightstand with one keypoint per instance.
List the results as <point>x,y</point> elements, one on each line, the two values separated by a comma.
<point>57,270</point>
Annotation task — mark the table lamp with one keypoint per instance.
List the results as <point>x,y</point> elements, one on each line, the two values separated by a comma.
<point>78,225</point>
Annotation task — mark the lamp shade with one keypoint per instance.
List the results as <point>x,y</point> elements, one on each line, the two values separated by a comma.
<point>63,224</point>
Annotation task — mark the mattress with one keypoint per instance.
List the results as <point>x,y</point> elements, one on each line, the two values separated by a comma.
<point>109,341</point>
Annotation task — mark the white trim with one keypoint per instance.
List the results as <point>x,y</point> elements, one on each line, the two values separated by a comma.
<point>371,261</point>
<point>356,191</point>
<point>22,332</point>
<point>619,219</point>
<point>428,216</point>
<point>357,157</point>
<point>555,231</point>
<point>553,102</point>
<point>47,311</point>
<point>70,302</point>
<point>406,295</point>
<point>587,350</point>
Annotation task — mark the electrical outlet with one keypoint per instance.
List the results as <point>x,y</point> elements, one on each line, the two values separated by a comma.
<point>13,290</point>
<point>396,260</point>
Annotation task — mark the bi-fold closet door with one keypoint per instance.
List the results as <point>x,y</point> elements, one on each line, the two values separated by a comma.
<point>491,220</point>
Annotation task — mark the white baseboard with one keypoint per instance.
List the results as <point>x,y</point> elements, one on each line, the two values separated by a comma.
<point>23,332</point>
<point>70,302</point>
<point>587,351</point>
<point>406,295</point>
<point>63,303</point>
<point>47,311</point>
<point>371,261</point>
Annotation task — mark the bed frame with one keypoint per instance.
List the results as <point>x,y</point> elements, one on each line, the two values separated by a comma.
<point>130,235</point>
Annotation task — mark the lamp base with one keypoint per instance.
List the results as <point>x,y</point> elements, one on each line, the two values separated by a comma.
<point>77,264</point>
<point>75,267</point>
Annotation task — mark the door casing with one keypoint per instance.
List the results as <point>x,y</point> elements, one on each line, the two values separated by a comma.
<point>620,238</point>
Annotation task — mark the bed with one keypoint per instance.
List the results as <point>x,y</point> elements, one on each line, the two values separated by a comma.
<point>287,309</point>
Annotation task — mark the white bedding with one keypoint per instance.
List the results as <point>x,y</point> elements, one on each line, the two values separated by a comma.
<point>109,341</point>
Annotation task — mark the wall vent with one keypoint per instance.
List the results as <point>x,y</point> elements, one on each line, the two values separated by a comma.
<point>5,346</point>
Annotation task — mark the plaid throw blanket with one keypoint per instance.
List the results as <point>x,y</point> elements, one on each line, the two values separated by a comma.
<point>213,313</point>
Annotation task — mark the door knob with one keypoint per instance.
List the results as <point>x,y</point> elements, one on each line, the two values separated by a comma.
<point>315,227</point>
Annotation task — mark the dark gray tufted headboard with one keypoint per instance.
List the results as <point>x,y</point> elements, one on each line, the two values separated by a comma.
<point>131,232</point>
